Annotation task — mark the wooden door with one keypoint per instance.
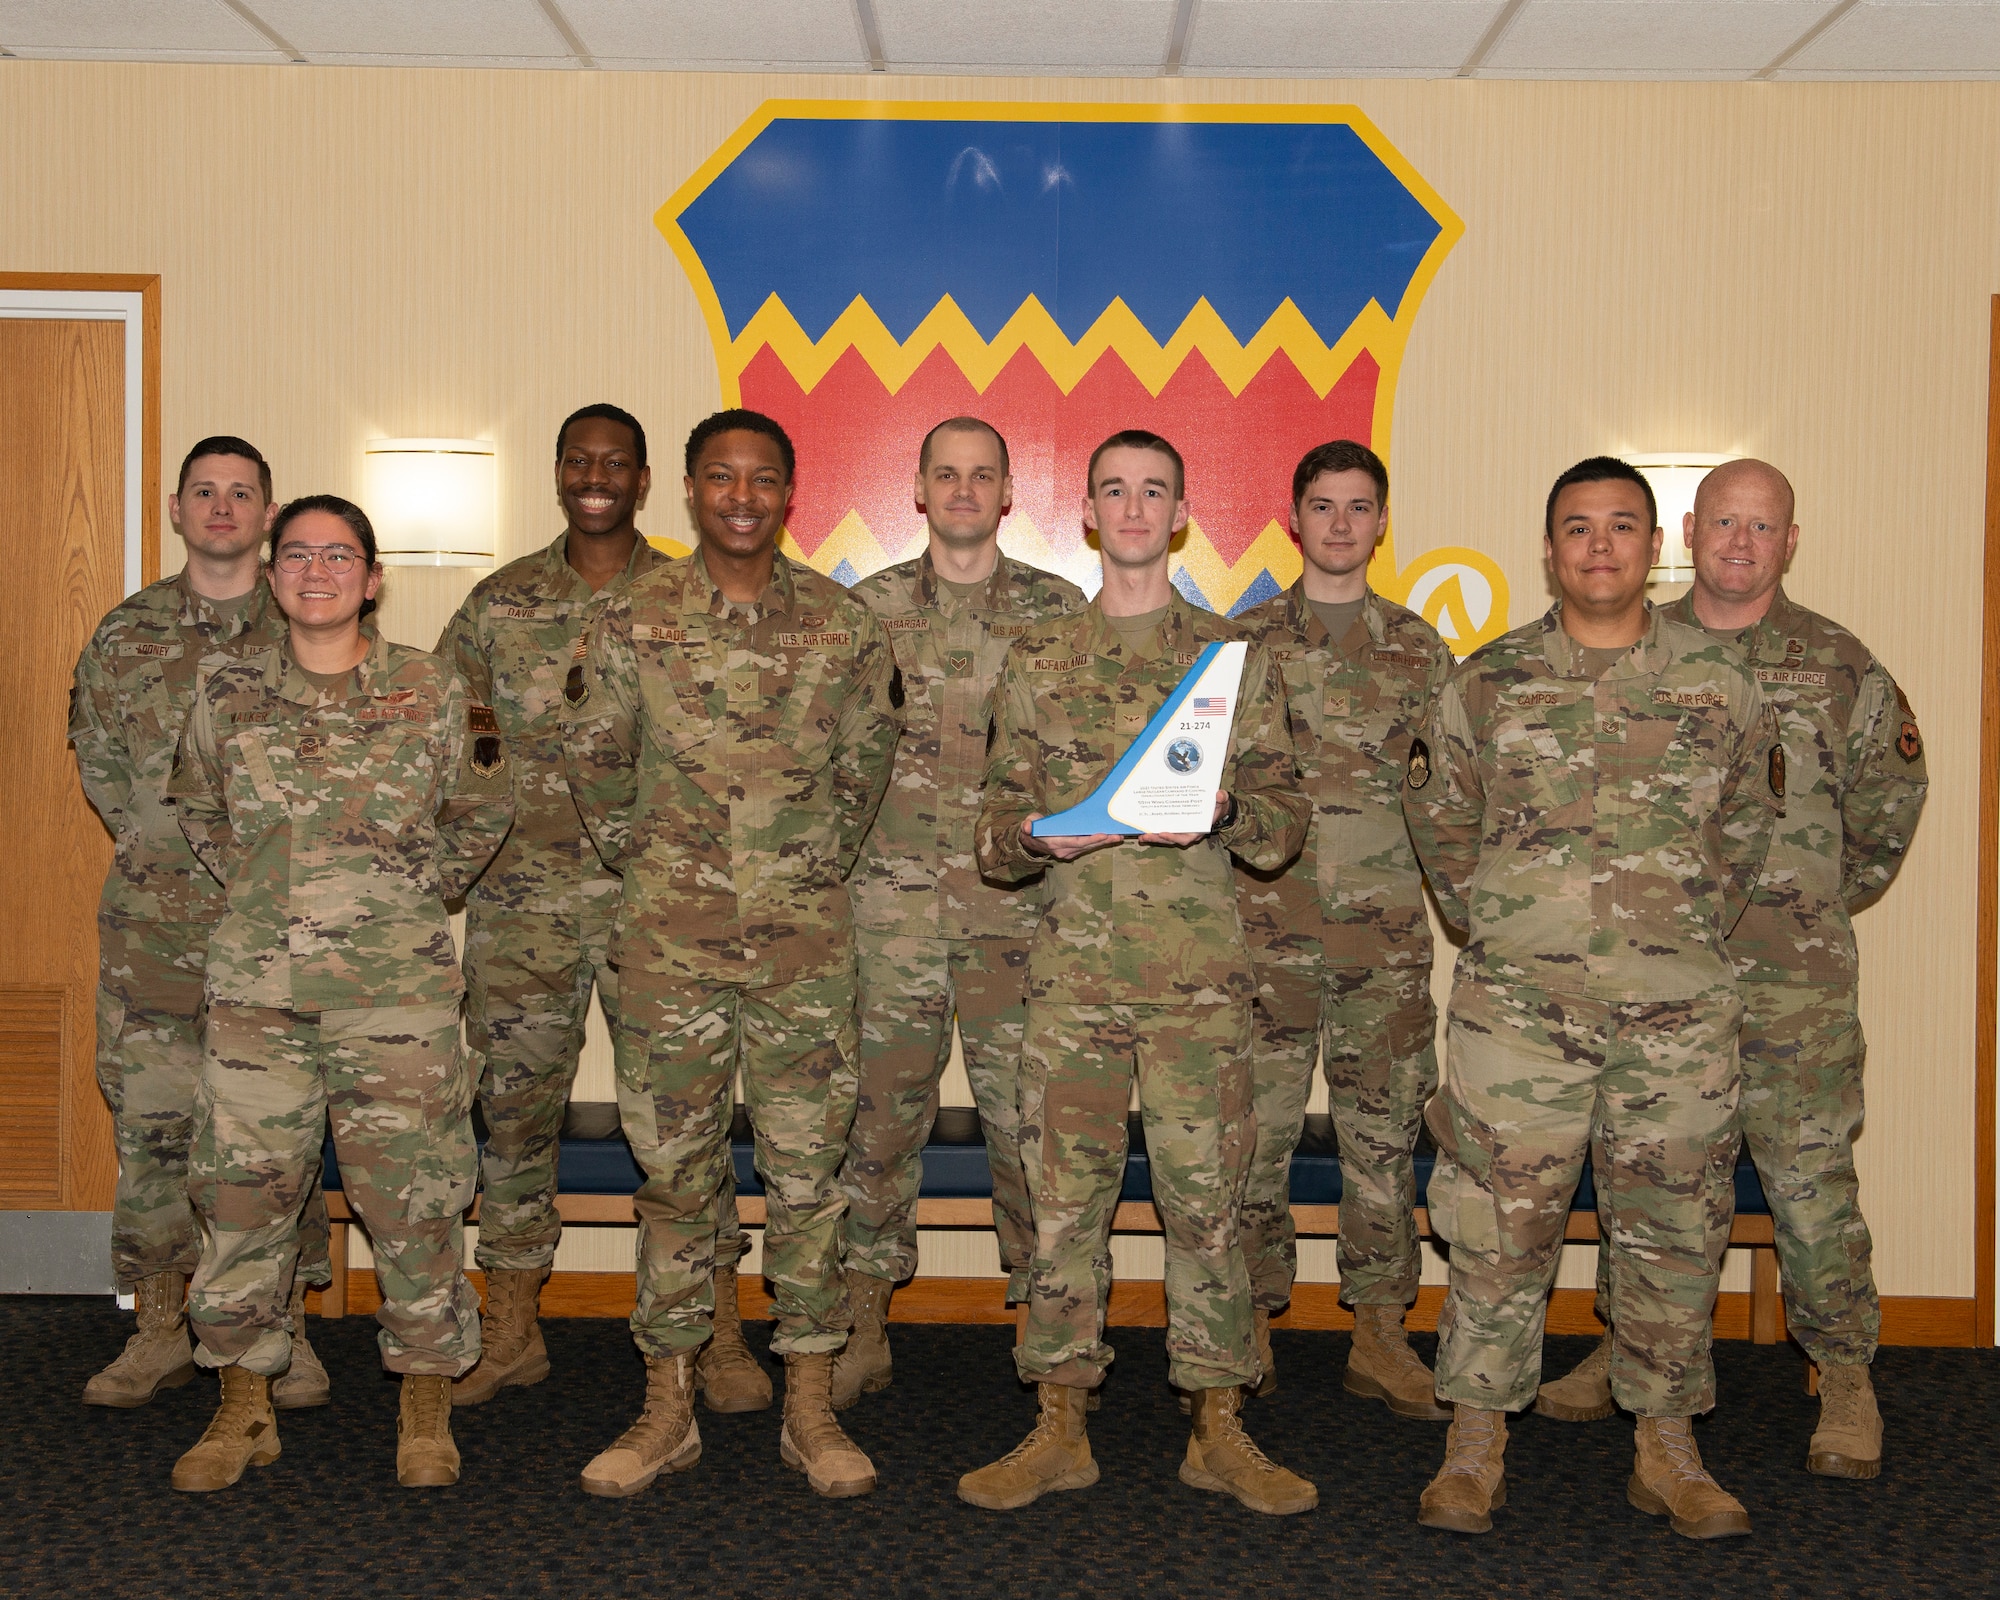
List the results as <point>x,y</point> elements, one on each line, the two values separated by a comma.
<point>62,525</point>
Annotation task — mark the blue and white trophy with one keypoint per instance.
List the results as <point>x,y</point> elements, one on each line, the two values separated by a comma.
<point>1167,781</point>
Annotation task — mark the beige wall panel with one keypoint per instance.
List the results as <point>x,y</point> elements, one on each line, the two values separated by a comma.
<point>1798,271</point>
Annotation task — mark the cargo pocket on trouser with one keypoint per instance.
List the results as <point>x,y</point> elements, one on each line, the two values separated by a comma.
<point>442,1159</point>
<point>110,1057</point>
<point>1463,1210</point>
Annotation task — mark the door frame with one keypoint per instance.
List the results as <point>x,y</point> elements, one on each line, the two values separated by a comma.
<point>1987,943</point>
<point>134,299</point>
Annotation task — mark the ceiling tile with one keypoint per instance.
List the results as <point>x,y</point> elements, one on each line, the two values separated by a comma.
<point>197,28</point>
<point>454,32</point>
<point>1652,38</point>
<point>702,33</point>
<point>1106,36</point>
<point>1336,36</point>
<point>1888,37</point>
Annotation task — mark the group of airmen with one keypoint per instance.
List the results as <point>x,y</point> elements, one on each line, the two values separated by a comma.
<point>783,830</point>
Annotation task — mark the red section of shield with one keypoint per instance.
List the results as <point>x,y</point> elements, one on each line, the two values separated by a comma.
<point>857,443</point>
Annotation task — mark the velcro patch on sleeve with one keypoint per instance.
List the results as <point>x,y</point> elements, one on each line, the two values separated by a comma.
<point>480,719</point>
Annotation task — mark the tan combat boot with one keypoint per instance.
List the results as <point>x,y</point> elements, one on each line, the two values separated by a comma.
<point>304,1383</point>
<point>243,1433</point>
<point>511,1351</point>
<point>1055,1455</point>
<point>666,1438</point>
<point>811,1440</point>
<point>1382,1366</point>
<point>1583,1394</point>
<point>1848,1441</point>
<point>1267,1364</point>
<point>1668,1480</point>
<point>862,1366</point>
<point>730,1377</point>
<point>156,1357</point>
<point>1220,1456</point>
<point>1472,1483</point>
<point>426,1457</point>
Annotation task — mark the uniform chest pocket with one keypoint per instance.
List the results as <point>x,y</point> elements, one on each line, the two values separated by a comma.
<point>1670,758</point>
<point>395,774</point>
<point>671,686</point>
<point>1531,752</point>
<point>806,723</point>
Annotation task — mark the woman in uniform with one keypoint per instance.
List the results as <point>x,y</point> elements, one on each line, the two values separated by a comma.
<point>340,787</point>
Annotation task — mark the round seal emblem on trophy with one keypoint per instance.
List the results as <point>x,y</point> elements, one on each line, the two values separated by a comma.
<point>1184,755</point>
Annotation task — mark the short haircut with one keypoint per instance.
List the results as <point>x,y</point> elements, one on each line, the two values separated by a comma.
<point>736,419</point>
<point>1139,439</point>
<point>965,425</point>
<point>606,412</point>
<point>1339,455</point>
<point>226,444</point>
<point>348,512</point>
<point>1601,469</point>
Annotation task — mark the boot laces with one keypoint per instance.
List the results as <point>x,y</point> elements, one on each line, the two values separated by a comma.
<point>233,1417</point>
<point>427,1408</point>
<point>1047,1430</point>
<point>1840,1393</point>
<point>1473,1436</point>
<point>665,1385</point>
<point>1676,1437</point>
<point>1229,1428</point>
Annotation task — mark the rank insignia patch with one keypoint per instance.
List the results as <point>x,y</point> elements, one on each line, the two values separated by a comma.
<point>1419,772</point>
<point>1775,770</point>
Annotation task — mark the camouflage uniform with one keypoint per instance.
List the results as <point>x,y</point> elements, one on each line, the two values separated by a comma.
<point>728,761</point>
<point>134,683</point>
<point>538,920</point>
<point>1856,765</point>
<point>1139,961</point>
<point>340,822</point>
<point>935,939</point>
<point>1597,838</point>
<point>1342,948</point>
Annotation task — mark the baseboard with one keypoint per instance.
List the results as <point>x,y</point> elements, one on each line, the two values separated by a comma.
<point>1906,1319</point>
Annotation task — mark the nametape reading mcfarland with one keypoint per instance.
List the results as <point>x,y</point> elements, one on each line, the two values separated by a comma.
<point>838,638</point>
<point>1059,663</point>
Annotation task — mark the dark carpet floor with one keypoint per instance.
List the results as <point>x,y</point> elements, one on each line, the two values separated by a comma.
<point>87,1510</point>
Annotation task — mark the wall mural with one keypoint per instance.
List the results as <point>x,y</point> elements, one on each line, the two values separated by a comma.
<point>1240,279</point>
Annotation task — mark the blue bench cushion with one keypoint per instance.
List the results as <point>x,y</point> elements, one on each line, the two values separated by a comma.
<point>594,1159</point>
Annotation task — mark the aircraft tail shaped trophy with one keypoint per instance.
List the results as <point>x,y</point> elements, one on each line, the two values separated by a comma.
<point>1167,781</point>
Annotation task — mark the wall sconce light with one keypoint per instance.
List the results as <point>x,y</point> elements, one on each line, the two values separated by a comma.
<point>1674,475</point>
<point>434,502</point>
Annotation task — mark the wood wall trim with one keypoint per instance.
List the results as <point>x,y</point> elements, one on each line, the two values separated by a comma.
<point>1987,944</point>
<point>1906,1319</point>
<point>147,286</point>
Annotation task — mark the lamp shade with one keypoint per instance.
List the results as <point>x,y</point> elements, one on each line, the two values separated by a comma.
<point>1674,476</point>
<point>434,502</point>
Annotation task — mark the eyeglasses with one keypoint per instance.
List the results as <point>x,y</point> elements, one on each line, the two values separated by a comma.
<point>337,557</point>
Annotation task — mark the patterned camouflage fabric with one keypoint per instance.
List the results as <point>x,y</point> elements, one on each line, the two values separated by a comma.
<point>134,682</point>
<point>728,762</point>
<point>1139,963</point>
<point>1857,787</point>
<point>938,941</point>
<point>1597,838</point>
<point>339,822</point>
<point>538,921</point>
<point>1342,948</point>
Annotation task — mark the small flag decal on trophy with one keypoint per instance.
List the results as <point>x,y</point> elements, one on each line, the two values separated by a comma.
<point>1209,705</point>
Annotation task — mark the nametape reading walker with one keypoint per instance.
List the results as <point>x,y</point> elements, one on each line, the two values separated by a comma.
<point>1167,781</point>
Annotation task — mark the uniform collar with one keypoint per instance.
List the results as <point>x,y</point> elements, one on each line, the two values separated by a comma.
<point>558,580</point>
<point>286,678</point>
<point>701,594</point>
<point>1175,632</point>
<point>197,610</point>
<point>1771,638</point>
<point>932,593</point>
<point>1370,627</point>
<point>1646,659</point>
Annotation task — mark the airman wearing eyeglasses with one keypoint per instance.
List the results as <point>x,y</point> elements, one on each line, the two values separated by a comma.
<point>537,921</point>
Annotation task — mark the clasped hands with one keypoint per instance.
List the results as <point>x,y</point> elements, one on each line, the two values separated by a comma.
<point>1067,847</point>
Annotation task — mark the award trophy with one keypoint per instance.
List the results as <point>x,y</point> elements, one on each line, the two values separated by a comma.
<point>1167,781</point>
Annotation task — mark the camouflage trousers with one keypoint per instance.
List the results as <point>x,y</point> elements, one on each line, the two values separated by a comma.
<point>679,1049</point>
<point>149,1000</point>
<point>1531,1080</point>
<point>1802,1054</point>
<point>1375,1028</point>
<point>909,991</point>
<point>397,1085</point>
<point>528,980</point>
<point>1193,1067</point>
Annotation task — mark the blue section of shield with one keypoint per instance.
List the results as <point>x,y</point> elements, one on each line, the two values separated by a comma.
<point>820,211</point>
<point>1091,816</point>
<point>1263,587</point>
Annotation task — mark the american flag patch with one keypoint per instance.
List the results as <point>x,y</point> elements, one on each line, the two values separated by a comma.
<point>1209,704</point>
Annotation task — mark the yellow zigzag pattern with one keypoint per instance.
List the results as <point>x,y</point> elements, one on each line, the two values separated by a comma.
<point>1118,330</point>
